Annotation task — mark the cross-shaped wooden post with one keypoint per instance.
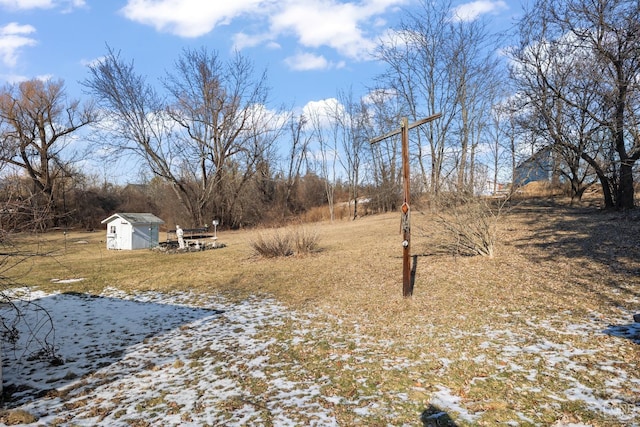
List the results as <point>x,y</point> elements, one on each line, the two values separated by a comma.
<point>406,211</point>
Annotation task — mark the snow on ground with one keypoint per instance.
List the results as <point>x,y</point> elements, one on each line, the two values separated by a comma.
<point>193,360</point>
<point>157,355</point>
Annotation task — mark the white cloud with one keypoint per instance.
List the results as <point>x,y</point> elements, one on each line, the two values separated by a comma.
<point>379,96</point>
<point>244,40</point>
<point>345,26</point>
<point>13,78</point>
<point>17,78</point>
<point>332,23</point>
<point>44,77</point>
<point>314,108</point>
<point>321,112</point>
<point>14,37</point>
<point>273,45</point>
<point>15,28</point>
<point>92,62</point>
<point>471,11</point>
<point>309,61</point>
<point>190,18</point>
<point>42,4</point>
<point>70,5</point>
<point>27,4</point>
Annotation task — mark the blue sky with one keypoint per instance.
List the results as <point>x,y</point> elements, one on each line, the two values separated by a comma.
<point>310,48</point>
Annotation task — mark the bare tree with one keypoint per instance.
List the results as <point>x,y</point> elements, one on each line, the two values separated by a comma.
<point>297,155</point>
<point>581,55</point>
<point>37,124</point>
<point>27,329</point>
<point>220,108</point>
<point>349,121</point>
<point>440,63</point>
<point>326,134</point>
<point>382,113</point>
<point>476,70</point>
<point>502,143</point>
<point>418,62</point>
<point>205,139</point>
<point>134,117</point>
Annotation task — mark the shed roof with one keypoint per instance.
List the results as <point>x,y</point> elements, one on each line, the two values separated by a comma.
<point>136,218</point>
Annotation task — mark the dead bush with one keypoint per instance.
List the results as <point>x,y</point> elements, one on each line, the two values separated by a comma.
<point>467,226</point>
<point>17,416</point>
<point>287,242</point>
<point>307,241</point>
<point>276,244</point>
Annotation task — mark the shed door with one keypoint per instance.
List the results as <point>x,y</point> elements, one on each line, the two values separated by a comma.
<point>112,238</point>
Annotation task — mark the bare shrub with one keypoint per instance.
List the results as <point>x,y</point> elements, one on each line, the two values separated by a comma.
<point>307,241</point>
<point>16,305</point>
<point>18,311</point>
<point>17,416</point>
<point>276,244</point>
<point>468,225</point>
<point>283,243</point>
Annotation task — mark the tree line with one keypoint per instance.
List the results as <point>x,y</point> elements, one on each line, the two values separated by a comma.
<point>209,144</point>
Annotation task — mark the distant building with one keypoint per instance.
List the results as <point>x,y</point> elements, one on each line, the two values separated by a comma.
<point>539,167</point>
<point>128,231</point>
<point>491,188</point>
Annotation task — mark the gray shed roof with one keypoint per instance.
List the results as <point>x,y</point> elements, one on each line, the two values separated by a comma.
<point>136,218</point>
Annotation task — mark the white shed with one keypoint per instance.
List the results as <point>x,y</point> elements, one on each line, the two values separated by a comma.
<point>132,231</point>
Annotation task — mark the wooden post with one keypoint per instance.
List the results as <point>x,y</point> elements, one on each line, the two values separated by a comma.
<point>406,210</point>
<point>407,290</point>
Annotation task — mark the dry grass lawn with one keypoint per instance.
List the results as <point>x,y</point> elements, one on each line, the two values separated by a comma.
<point>556,269</point>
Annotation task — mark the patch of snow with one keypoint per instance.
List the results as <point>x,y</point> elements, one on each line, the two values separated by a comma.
<point>445,399</point>
<point>128,357</point>
<point>79,279</point>
<point>188,359</point>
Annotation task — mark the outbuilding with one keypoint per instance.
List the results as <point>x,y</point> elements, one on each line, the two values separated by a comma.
<point>128,231</point>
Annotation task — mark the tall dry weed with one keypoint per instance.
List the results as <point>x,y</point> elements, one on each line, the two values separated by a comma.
<point>285,242</point>
<point>467,226</point>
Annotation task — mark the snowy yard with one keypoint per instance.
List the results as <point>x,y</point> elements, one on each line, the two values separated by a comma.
<point>194,360</point>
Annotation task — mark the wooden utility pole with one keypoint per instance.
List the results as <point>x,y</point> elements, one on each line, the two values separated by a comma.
<point>406,211</point>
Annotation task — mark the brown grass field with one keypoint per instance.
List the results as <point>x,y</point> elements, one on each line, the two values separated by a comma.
<point>556,268</point>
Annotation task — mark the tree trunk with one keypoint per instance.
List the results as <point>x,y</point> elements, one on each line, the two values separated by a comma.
<point>625,197</point>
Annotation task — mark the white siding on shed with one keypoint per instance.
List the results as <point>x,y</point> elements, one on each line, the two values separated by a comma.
<point>127,231</point>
